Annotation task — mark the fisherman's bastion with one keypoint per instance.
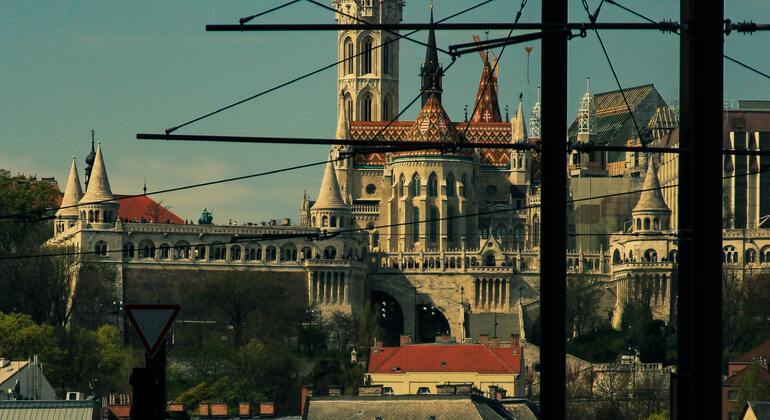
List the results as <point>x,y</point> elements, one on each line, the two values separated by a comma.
<point>443,242</point>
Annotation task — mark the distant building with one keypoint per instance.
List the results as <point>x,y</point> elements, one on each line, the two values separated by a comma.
<point>758,356</point>
<point>423,368</point>
<point>756,411</point>
<point>455,402</point>
<point>24,380</point>
<point>59,410</point>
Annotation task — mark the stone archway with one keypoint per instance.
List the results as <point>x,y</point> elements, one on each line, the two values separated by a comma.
<point>431,323</point>
<point>390,316</point>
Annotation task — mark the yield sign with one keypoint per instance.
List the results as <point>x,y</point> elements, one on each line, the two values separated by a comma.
<point>151,323</point>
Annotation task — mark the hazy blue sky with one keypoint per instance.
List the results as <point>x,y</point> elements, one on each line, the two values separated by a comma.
<point>122,67</point>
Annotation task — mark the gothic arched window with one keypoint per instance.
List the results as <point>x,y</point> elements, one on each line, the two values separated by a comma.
<point>386,111</point>
<point>536,230</point>
<point>464,181</point>
<point>518,236</point>
<point>366,57</point>
<point>450,224</point>
<point>484,231</point>
<point>348,101</point>
<point>450,185</point>
<point>415,185</point>
<point>416,224</point>
<point>433,185</point>
<point>433,224</point>
<point>401,182</point>
<point>348,51</point>
<point>366,107</point>
<point>101,249</point>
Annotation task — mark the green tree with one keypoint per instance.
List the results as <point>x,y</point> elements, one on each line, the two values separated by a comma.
<point>752,385</point>
<point>582,301</point>
<point>97,361</point>
<point>21,338</point>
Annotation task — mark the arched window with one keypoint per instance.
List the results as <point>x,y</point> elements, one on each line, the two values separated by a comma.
<point>96,216</point>
<point>650,255</point>
<point>500,232</point>
<point>416,224</point>
<point>348,51</point>
<point>306,253</point>
<point>182,250</point>
<point>656,224</point>
<point>366,107</point>
<point>330,253</point>
<point>433,224</point>
<point>638,224</point>
<point>200,252</point>
<point>271,254</point>
<point>433,185</point>
<point>387,52</point>
<point>101,249</point>
<point>90,216</point>
<point>333,221</point>
<point>751,256</point>
<point>464,181</point>
<point>324,221</point>
<point>164,251</point>
<point>484,231</point>
<point>673,256</point>
<point>235,253</point>
<point>401,182</point>
<point>631,255</point>
<point>218,251</point>
<point>289,252</point>
<point>646,223</point>
<point>518,236</point>
<point>83,215</point>
<point>128,250</point>
<point>349,106</point>
<point>146,249</point>
<point>536,230</point>
<point>616,257</point>
<point>450,224</point>
<point>366,57</point>
<point>450,185</point>
<point>415,185</point>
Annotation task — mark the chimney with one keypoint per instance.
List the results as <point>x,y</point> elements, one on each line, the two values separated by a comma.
<point>335,390</point>
<point>493,391</point>
<point>306,392</point>
<point>404,340</point>
<point>266,409</point>
<point>500,394</point>
<point>484,339</point>
<point>515,343</point>
<point>495,342</point>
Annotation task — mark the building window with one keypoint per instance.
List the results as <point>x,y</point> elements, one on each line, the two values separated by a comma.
<point>271,253</point>
<point>348,51</point>
<point>101,249</point>
<point>182,250</point>
<point>349,106</point>
<point>416,225</point>
<point>464,181</point>
<point>401,182</point>
<point>484,231</point>
<point>433,185</point>
<point>146,249</point>
<point>128,250</point>
<point>415,185</point>
<point>433,224</point>
<point>366,107</point>
<point>371,189</point>
<point>164,251</point>
<point>366,57</point>
<point>218,251</point>
<point>450,224</point>
<point>423,390</point>
<point>518,236</point>
<point>732,395</point>
<point>450,185</point>
<point>324,221</point>
<point>235,253</point>
<point>330,253</point>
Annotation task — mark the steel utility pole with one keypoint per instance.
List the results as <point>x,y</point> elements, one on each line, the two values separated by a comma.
<point>697,391</point>
<point>553,213</point>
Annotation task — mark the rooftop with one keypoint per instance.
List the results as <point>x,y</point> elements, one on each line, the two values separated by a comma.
<point>477,358</point>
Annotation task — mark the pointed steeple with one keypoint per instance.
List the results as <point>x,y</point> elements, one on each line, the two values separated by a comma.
<point>329,197</point>
<point>587,114</point>
<point>487,104</point>
<point>651,199</point>
<point>72,194</point>
<point>534,118</point>
<point>90,159</point>
<point>343,125</point>
<point>431,71</point>
<point>518,129</point>
<point>99,185</point>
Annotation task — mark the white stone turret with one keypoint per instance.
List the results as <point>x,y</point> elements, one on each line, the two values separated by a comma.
<point>330,212</point>
<point>651,214</point>
<point>98,205</point>
<point>520,159</point>
<point>68,213</point>
<point>534,118</point>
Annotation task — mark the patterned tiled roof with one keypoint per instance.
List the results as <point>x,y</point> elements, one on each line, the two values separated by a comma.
<point>488,109</point>
<point>433,125</point>
<point>611,111</point>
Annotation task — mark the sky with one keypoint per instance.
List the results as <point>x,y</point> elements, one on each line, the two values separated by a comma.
<point>122,68</point>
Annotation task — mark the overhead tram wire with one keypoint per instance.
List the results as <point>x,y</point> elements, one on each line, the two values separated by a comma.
<point>247,19</point>
<point>314,72</point>
<point>592,18</point>
<point>729,58</point>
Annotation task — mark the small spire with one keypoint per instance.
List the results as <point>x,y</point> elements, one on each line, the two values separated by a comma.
<point>651,198</point>
<point>587,112</point>
<point>506,112</point>
<point>99,185</point>
<point>72,193</point>
<point>144,187</point>
<point>518,129</point>
<point>534,118</point>
<point>329,197</point>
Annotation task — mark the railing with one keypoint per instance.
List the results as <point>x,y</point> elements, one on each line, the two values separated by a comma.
<point>366,208</point>
<point>132,227</point>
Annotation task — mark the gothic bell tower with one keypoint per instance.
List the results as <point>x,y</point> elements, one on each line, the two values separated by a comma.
<point>368,81</point>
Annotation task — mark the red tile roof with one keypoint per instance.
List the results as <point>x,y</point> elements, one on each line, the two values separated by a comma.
<point>445,358</point>
<point>760,350</point>
<point>136,208</point>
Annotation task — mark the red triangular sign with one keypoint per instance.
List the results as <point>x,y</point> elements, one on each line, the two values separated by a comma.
<point>151,323</point>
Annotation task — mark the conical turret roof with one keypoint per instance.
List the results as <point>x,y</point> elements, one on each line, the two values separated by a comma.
<point>651,198</point>
<point>98,185</point>
<point>518,128</point>
<point>72,193</point>
<point>330,196</point>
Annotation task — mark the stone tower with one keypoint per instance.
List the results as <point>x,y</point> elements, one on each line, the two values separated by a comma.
<point>368,81</point>
<point>98,205</point>
<point>520,159</point>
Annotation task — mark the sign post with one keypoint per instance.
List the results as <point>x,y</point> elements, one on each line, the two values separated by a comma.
<point>151,322</point>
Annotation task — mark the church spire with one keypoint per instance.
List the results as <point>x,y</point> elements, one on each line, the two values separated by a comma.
<point>72,194</point>
<point>518,129</point>
<point>431,71</point>
<point>534,118</point>
<point>90,159</point>
<point>651,199</point>
<point>99,185</point>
